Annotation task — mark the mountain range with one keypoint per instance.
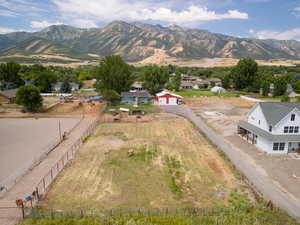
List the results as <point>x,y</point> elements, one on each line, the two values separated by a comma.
<point>139,41</point>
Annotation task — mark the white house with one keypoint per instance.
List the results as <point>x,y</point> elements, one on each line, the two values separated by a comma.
<point>168,98</point>
<point>273,127</point>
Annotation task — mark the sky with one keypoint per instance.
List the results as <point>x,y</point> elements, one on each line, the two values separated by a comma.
<point>276,19</point>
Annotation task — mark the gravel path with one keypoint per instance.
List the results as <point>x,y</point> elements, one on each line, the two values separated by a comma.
<point>270,189</point>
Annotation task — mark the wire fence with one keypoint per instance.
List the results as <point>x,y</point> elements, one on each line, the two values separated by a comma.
<point>139,212</point>
<point>9,182</point>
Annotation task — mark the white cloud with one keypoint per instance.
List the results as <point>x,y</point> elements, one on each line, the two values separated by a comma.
<point>293,34</point>
<point>5,30</point>
<point>108,10</point>
<point>42,24</point>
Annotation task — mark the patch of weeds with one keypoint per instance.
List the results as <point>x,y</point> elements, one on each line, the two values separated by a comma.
<point>118,134</point>
<point>145,153</point>
<point>172,163</point>
<point>240,201</point>
<point>176,176</point>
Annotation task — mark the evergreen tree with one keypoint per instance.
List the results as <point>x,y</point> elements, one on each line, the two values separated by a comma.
<point>66,86</point>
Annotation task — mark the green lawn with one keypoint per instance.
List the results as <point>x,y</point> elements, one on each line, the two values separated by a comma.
<point>148,109</point>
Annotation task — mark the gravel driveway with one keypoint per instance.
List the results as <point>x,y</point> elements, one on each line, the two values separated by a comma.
<point>270,189</point>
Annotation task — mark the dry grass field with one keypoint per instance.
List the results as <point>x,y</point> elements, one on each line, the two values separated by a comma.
<point>172,165</point>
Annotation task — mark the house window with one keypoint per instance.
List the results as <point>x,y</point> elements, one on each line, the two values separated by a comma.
<point>278,146</point>
<point>293,117</point>
<point>286,130</point>
<point>275,146</point>
<point>281,146</point>
<point>270,128</point>
<point>291,130</point>
<point>296,130</point>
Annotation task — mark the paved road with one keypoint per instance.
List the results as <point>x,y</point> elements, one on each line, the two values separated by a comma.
<point>270,189</point>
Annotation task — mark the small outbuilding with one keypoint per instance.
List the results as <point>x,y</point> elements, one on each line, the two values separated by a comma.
<point>168,98</point>
<point>218,90</point>
<point>8,96</point>
<point>136,97</point>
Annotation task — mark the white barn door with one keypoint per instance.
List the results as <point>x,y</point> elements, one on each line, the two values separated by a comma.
<point>162,101</point>
<point>172,101</point>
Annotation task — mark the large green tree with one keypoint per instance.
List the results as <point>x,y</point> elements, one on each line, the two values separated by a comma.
<point>29,97</point>
<point>114,74</point>
<point>245,74</point>
<point>43,80</point>
<point>297,86</point>
<point>280,86</point>
<point>174,82</point>
<point>9,72</point>
<point>155,78</point>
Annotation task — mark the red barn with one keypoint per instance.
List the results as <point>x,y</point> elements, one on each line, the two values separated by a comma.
<point>168,98</point>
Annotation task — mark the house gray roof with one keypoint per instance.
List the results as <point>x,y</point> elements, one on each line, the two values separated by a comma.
<point>134,94</point>
<point>214,80</point>
<point>274,138</point>
<point>9,93</point>
<point>186,84</point>
<point>276,111</point>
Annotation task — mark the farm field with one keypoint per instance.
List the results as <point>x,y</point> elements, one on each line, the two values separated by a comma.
<point>159,164</point>
<point>18,147</point>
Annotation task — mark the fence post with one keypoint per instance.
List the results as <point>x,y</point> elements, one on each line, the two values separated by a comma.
<point>44,184</point>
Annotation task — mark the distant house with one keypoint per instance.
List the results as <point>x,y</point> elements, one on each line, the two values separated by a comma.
<point>186,85</point>
<point>290,92</point>
<point>136,97</point>
<point>168,98</point>
<point>57,86</point>
<point>215,81</point>
<point>273,127</point>
<point>7,85</point>
<point>8,96</point>
<point>138,86</point>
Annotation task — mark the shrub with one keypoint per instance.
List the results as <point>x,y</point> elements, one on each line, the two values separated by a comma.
<point>285,98</point>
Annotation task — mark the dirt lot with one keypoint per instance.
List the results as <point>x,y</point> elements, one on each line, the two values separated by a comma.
<point>171,165</point>
<point>18,147</point>
<point>223,114</point>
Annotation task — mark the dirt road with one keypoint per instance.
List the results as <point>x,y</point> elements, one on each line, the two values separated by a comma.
<point>255,174</point>
<point>20,148</point>
<point>29,181</point>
